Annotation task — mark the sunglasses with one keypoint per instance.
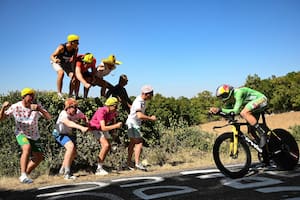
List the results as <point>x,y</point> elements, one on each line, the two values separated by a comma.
<point>75,42</point>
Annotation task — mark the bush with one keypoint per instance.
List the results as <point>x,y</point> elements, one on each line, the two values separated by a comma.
<point>162,141</point>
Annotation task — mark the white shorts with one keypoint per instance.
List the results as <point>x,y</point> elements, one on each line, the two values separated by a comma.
<point>99,134</point>
<point>67,67</point>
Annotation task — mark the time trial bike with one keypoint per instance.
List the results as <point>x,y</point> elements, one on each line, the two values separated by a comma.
<point>232,154</point>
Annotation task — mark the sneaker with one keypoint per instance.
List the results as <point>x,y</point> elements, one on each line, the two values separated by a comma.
<point>25,179</point>
<point>69,177</point>
<point>61,171</point>
<point>140,167</point>
<point>130,166</point>
<point>101,172</point>
<point>60,96</point>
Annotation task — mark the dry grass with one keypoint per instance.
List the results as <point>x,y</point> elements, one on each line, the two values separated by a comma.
<point>178,162</point>
<point>184,161</point>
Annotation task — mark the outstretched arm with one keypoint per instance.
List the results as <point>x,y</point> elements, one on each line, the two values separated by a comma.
<point>72,124</point>
<point>142,116</point>
<point>5,105</point>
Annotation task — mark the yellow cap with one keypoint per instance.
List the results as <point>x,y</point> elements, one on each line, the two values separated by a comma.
<point>88,58</point>
<point>26,91</point>
<point>111,60</point>
<point>111,101</point>
<point>72,37</point>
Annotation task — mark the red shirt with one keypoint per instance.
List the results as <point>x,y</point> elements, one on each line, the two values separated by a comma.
<point>84,67</point>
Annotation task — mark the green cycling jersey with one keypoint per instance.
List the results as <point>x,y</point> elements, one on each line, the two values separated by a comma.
<point>244,97</point>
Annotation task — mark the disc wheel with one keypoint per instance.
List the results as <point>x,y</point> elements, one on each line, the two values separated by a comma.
<point>284,149</point>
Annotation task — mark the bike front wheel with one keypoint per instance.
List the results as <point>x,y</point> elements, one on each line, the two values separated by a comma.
<point>233,166</point>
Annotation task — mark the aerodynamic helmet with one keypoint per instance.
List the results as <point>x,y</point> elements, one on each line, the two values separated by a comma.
<point>224,92</point>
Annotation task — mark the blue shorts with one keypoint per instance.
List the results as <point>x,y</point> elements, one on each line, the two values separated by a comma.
<point>63,139</point>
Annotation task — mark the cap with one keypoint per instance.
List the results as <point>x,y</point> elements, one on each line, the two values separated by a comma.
<point>111,60</point>
<point>111,101</point>
<point>88,58</point>
<point>72,37</point>
<point>26,91</point>
<point>147,89</point>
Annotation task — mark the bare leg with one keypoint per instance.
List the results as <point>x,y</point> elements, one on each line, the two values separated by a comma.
<point>137,151</point>
<point>69,155</point>
<point>37,157</point>
<point>105,146</point>
<point>72,85</point>
<point>77,88</point>
<point>24,157</point>
<point>59,81</point>
<point>247,115</point>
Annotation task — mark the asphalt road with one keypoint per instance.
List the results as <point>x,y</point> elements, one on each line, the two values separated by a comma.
<point>189,185</point>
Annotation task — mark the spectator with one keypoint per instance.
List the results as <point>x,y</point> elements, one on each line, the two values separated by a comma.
<point>105,68</point>
<point>120,92</point>
<point>26,115</point>
<point>63,60</point>
<point>86,77</point>
<point>68,120</point>
<point>134,120</point>
<point>101,124</point>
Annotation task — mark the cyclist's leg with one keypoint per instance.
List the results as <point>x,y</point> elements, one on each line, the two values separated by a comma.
<point>246,113</point>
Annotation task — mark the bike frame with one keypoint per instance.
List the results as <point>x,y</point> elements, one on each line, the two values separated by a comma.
<point>237,133</point>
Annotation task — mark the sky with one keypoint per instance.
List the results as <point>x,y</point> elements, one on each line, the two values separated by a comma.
<point>180,47</point>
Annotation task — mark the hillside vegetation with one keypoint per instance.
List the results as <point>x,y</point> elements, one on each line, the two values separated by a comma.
<point>175,139</point>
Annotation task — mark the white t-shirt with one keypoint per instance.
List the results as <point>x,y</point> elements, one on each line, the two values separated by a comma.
<point>138,104</point>
<point>102,70</point>
<point>26,120</point>
<point>61,127</point>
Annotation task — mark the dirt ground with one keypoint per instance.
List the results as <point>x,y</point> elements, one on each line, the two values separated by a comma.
<point>285,120</point>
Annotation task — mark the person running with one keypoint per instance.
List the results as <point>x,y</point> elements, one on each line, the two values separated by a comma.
<point>243,101</point>
<point>104,68</point>
<point>68,120</point>
<point>86,77</point>
<point>26,115</point>
<point>63,60</point>
<point>133,122</point>
<point>120,92</point>
<point>102,124</point>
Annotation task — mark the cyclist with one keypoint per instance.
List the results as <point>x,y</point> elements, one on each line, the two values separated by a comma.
<point>26,115</point>
<point>63,60</point>
<point>82,73</point>
<point>102,122</point>
<point>243,101</point>
<point>68,120</point>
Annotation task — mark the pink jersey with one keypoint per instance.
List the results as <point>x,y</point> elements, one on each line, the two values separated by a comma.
<point>102,113</point>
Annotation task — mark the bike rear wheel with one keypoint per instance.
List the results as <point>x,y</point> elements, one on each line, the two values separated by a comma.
<point>284,149</point>
<point>233,166</point>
